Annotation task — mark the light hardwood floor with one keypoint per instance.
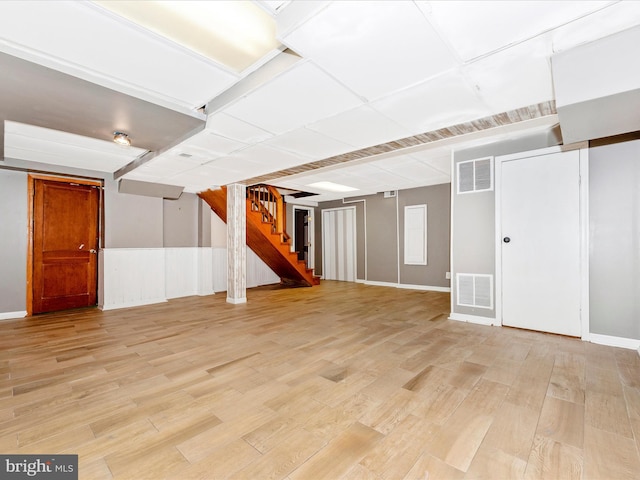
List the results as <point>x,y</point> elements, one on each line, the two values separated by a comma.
<point>340,381</point>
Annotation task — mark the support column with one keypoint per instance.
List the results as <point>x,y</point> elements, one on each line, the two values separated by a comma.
<point>236,243</point>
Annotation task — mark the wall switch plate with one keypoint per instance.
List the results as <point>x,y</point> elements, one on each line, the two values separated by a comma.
<point>447,275</point>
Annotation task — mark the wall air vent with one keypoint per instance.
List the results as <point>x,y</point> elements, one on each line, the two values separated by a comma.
<point>475,175</point>
<point>391,194</point>
<point>474,290</point>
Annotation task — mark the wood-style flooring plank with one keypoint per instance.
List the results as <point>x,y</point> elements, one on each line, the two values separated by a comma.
<point>339,456</point>
<point>339,381</point>
<point>607,455</point>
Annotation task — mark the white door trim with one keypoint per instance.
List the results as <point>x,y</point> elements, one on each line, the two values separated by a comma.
<point>584,227</point>
<point>311,231</point>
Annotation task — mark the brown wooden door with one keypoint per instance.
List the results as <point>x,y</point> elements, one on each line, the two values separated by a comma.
<point>65,244</point>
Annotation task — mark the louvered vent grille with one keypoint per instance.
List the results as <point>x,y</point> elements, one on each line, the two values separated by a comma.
<point>475,290</point>
<point>475,175</point>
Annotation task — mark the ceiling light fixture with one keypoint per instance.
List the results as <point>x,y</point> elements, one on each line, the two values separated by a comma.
<point>122,139</point>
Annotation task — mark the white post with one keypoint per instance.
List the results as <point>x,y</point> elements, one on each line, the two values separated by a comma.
<point>236,244</point>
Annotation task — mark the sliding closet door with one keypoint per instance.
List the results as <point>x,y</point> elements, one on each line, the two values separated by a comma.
<point>339,244</point>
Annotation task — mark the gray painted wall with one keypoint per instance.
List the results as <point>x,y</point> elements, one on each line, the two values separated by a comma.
<point>204,224</point>
<point>131,221</point>
<point>384,220</point>
<point>614,262</point>
<point>382,239</point>
<point>180,221</point>
<point>13,241</point>
<point>438,201</point>
<point>473,216</point>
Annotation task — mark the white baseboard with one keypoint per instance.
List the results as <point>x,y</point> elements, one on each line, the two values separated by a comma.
<point>621,342</point>
<point>115,306</point>
<point>405,285</point>
<point>380,284</point>
<point>427,288</point>
<point>12,315</point>
<point>462,317</point>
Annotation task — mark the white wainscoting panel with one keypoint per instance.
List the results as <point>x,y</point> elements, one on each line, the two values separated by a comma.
<point>131,277</point>
<point>205,271</point>
<point>141,276</point>
<point>219,262</point>
<point>181,272</point>
<point>258,273</point>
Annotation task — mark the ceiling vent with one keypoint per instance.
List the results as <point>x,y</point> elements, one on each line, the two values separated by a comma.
<point>185,155</point>
<point>597,87</point>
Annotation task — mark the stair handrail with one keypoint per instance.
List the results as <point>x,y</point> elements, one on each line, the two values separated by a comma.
<point>267,200</point>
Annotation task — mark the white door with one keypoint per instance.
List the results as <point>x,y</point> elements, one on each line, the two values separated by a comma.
<point>540,233</point>
<point>339,244</point>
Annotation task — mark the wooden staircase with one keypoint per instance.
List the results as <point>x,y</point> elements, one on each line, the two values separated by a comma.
<point>266,234</point>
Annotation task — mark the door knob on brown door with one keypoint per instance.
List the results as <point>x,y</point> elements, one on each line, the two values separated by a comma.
<point>93,250</point>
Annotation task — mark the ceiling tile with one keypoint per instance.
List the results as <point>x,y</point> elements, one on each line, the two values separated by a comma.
<point>360,127</point>
<point>616,17</point>
<point>308,144</point>
<point>373,47</point>
<point>436,160</point>
<point>214,145</point>
<point>234,165</point>
<point>261,159</point>
<point>301,95</point>
<point>235,129</point>
<point>477,28</point>
<point>440,102</point>
<point>515,77</point>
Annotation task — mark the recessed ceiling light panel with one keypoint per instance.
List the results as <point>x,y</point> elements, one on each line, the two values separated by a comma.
<point>234,33</point>
<point>332,187</point>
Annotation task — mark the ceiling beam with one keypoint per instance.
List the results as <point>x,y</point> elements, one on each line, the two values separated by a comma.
<point>494,121</point>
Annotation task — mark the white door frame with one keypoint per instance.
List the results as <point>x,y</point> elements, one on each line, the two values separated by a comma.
<point>311,232</point>
<point>355,242</point>
<point>584,226</point>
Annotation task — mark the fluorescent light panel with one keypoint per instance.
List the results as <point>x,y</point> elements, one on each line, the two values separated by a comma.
<point>234,33</point>
<point>332,187</point>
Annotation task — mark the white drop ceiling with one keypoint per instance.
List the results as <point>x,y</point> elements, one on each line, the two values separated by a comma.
<point>53,147</point>
<point>369,72</point>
